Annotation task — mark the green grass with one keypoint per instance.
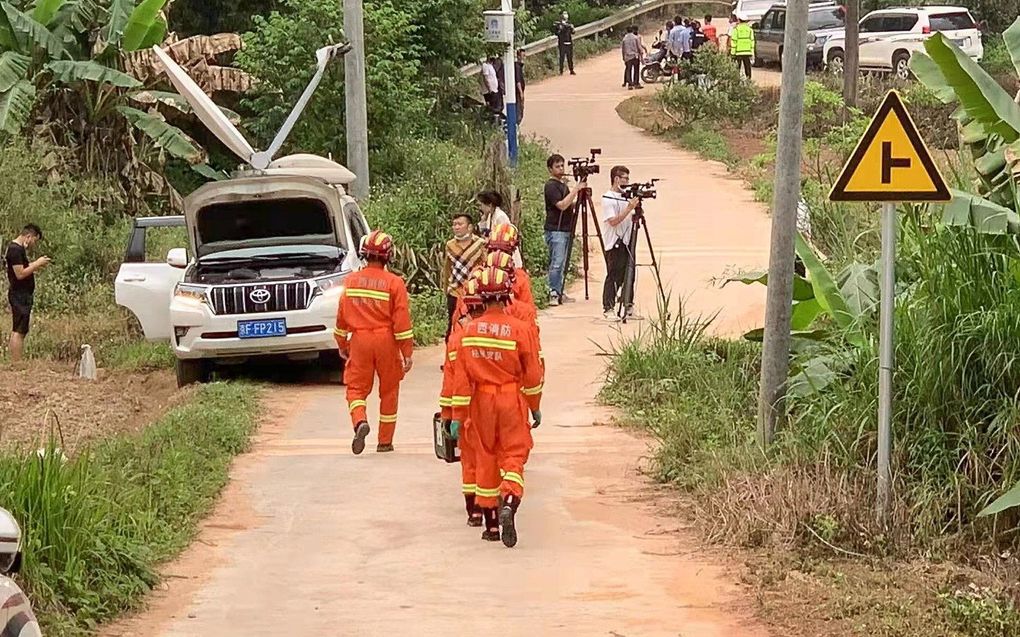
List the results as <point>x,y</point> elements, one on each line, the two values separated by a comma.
<point>97,525</point>
<point>138,355</point>
<point>709,143</point>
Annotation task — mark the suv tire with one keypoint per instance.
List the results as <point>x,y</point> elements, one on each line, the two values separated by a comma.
<point>901,65</point>
<point>836,62</point>
<point>190,372</point>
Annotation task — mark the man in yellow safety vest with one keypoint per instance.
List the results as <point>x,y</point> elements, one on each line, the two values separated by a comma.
<point>742,43</point>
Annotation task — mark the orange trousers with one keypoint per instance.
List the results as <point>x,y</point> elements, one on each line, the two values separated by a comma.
<point>374,352</point>
<point>500,437</point>
<point>468,479</point>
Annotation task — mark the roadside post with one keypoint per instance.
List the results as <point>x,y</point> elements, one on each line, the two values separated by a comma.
<point>891,164</point>
<point>499,27</point>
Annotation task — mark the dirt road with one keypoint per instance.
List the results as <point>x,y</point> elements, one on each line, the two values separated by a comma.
<point>310,540</point>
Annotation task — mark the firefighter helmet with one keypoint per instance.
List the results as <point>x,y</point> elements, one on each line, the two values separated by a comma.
<point>377,244</point>
<point>503,261</point>
<point>494,284</point>
<point>504,237</point>
<point>472,299</point>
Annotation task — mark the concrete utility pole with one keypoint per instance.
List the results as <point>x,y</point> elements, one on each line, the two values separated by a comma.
<point>355,98</point>
<point>775,365</point>
<point>510,83</point>
<point>852,55</point>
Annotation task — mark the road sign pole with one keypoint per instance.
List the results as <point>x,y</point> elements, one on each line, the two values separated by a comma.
<point>886,358</point>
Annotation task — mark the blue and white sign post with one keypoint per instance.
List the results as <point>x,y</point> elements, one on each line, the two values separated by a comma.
<point>499,27</point>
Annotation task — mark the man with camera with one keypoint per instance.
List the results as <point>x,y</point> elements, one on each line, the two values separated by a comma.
<point>618,224</point>
<point>560,221</point>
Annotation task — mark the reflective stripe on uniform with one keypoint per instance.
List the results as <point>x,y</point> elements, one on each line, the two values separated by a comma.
<point>403,336</point>
<point>452,356</point>
<point>487,493</point>
<point>364,293</point>
<point>445,402</point>
<point>387,418</point>
<point>354,404</point>
<point>339,332</point>
<point>514,477</point>
<point>460,401</point>
<point>469,488</point>
<point>495,343</point>
<point>533,391</point>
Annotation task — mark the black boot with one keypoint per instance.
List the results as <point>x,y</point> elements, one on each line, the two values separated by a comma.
<point>473,511</point>
<point>507,511</point>
<point>360,433</point>
<point>491,532</point>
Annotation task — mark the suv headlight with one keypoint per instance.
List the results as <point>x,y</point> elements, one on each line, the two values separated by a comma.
<point>331,282</point>
<point>191,293</point>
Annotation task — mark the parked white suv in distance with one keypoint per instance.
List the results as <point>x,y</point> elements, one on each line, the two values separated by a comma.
<point>889,36</point>
<point>268,256</point>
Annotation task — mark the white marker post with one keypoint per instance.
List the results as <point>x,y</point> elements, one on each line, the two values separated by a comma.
<point>499,27</point>
<point>886,356</point>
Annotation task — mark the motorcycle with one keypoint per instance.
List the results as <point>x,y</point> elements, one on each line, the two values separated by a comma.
<point>661,65</point>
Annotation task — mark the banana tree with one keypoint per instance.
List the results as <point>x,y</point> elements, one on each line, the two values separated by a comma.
<point>989,117</point>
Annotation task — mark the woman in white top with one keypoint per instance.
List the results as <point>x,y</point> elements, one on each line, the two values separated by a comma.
<point>491,214</point>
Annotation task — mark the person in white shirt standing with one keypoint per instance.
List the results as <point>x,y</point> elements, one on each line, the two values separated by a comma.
<point>617,226</point>
<point>490,85</point>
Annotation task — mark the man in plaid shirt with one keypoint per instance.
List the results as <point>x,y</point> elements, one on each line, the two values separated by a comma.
<point>464,253</point>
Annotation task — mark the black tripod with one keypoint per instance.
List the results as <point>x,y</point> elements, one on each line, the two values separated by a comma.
<point>629,278</point>
<point>584,208</point>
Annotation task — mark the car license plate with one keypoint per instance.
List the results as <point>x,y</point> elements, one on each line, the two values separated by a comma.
<point>264,328</point>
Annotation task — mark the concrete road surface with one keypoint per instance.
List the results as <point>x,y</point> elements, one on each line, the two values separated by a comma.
<point>311,540</point>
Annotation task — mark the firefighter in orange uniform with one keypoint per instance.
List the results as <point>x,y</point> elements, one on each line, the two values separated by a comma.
<point>373,330</point>
<point>498,378</point>
<point>475,307</point>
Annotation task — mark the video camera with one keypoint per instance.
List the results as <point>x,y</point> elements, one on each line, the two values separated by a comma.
<point>644,190</point>
<point>584,166</point>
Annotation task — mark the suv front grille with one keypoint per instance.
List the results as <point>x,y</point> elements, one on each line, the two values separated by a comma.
<point>247,299</point>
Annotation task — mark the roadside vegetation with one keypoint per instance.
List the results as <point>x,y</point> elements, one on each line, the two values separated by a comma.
<point>945,564</point>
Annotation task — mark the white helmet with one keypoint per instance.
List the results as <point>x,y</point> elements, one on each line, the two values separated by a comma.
<point>10,542</point>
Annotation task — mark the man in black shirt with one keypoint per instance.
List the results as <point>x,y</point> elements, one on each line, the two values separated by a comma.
<point>21,278</point>
<point>565,35</point>
<point>560,219</point>
<point>519,79</point>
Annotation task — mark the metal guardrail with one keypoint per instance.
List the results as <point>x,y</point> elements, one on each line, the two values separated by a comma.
<point>594,28</point>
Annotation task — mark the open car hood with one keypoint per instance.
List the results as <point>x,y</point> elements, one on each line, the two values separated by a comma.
<point>263,211</point>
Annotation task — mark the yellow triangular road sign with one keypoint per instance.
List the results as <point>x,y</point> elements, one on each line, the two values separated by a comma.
<point>891,162</point>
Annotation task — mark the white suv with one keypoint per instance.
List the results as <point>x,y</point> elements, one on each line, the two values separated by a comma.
<point>270,253</point>
<point>888,37</point>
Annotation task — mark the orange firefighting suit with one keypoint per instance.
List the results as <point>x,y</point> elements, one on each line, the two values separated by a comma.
<point>373,328</point>
<point>498,377</point>
<point>467,454</point>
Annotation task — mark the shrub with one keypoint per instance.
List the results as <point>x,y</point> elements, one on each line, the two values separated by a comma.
<point>718,92</point>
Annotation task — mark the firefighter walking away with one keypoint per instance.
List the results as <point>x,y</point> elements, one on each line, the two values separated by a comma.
<point>374,333</point>
<point>498,379</point>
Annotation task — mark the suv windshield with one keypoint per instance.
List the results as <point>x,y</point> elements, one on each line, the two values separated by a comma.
<point>264,219</point>
<point>951,21</point>
<point>825,19</point>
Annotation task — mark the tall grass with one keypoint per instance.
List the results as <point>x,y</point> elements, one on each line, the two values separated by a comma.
<point>96,525</point>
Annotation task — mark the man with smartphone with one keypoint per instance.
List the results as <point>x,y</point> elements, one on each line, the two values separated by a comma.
<point>617,226</point>
<point>21,280</point>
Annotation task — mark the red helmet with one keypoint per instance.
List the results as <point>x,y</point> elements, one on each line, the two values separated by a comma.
<point>494,283</point>
<point>472,299</point>
<point>377,244</point>
<point>503,261</point>
<point>504,237</point>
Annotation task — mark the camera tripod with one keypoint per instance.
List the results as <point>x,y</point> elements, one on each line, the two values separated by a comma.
<point>630,277</point>
<point>584,208</point>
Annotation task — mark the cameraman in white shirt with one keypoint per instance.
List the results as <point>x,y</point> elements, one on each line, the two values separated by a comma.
<point>617,225</point>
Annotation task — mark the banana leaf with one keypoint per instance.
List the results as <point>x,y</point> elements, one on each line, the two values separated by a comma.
<point>13,68</point>
<point>139,23</point>
<point>43,11</point>
<point>16,105</point>
<point>1012,38</point>
<point>802,290</point>
<point>168,137</point>
<point>928,73</point>
<point>155,35</point>
<point>860,288</point>
<point>120,12</point>
<point>68,71</point>
<point>971,211</point>
<point>826,290</point>
<point>1007,500</point>
<point>979,94</point>
<point>27,30</point>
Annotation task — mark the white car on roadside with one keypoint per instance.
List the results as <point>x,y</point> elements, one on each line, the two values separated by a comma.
<point>16,616</point>
<point>888,37</point>
<point>268,251</point>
